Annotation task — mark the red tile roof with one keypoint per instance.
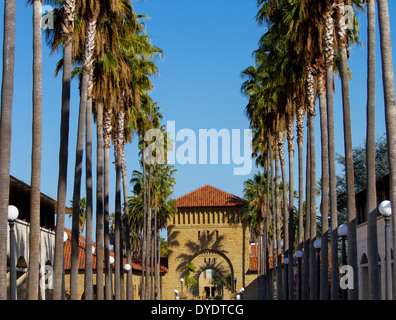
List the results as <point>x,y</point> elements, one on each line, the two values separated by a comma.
<point>208,196</point>
<point>136,262</point>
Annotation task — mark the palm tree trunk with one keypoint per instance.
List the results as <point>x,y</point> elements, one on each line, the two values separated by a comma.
<point>290,139</point>
<point>285,206</point>
<point>107,128</point>
<point>307,235</point>
<point>67,27</point>
<point>118,141</point>
<point>117,252</point>
<point>152,262</point>
<point>158,267</point>
<point>127,226</point>
<point>278,230</point>
<point>350,179</point>
<point>7,90</point>
<point>99,200</point>
<point>144,253</point>
<point>371,205</point>
<point>273,209</point>
<point>87,64</point>
<point>324,287</point>
<point>148,242</point>
<point>312,208</point>
<point>329,59</point>
<point>389,97</point>
<point>300,143</point>
<point>156,255</point>
<point>34,237</point>
<point>266,233</point>
<point>88,285</point>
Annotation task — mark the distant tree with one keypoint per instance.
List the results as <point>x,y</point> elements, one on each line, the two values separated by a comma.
<point>163,247</point>
<point>360,168</point>
<point>82,213</point>
<point>190,280</point>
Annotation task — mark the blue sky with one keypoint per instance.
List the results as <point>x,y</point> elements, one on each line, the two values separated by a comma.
<point>206,44</point>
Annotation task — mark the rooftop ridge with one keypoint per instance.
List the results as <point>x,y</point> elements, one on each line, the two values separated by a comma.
<point>209,196</point>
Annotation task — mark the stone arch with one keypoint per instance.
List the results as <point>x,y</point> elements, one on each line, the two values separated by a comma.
<point>364,276</point>
<point>22,272</point>
<point>210,261</point>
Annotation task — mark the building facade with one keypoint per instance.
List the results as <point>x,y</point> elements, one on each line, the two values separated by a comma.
<point>382,189</point>
<point>207,240</point>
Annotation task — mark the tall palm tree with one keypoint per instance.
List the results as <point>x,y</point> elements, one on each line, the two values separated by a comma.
<point>7,90</point>
<point>34,234</point>
<point>328,49</point>
<point>256,194</point>
<point>342,40</point>
<point>371,205</point>
<point>68,12</point>
<point>91,15</point>
<point>389,97</point>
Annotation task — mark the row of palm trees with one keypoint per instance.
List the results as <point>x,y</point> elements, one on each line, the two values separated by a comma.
<point>104,44</point>
<point>304,44</point>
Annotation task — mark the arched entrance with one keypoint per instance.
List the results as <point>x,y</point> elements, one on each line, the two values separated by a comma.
<point>213,275</point>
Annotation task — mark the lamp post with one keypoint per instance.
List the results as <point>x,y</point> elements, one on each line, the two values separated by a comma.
<point>241,293</point>
<point>299,255</point>
<point>181,284</point>
<point>12,216</point>
<point>92,284</point>
<point>342,232</point>
<point>318,245</point>
<point>127,268</point>
<point>386,210</point>
<point>65,237</point>
<point>286,263</point>
<point>111,259</point>
<point>176,294</point>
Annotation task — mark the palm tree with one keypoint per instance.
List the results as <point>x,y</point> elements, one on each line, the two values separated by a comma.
<point>162,188</point>
<point>164,208</point>
<point>351,206</point>
<point>7,90</point>
<point>389,96</point>
<point>372,241</point>
<point>86,73</point>
<point>256,193</point>
<point>67,31</point>
<point>328,49</point>
<point>34,235</point>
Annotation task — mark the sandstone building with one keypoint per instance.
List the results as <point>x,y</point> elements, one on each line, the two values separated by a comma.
<point>208,233</point>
